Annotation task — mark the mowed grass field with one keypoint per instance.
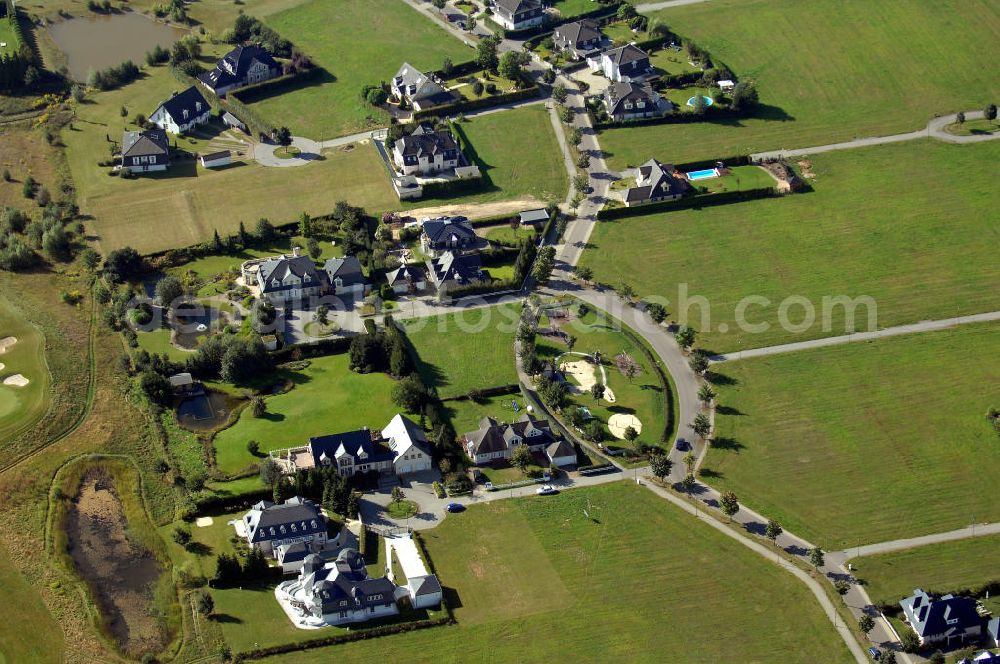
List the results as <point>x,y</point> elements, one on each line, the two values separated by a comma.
<point>864,442</point>
<point>358,43</point>
<point>949,566</point>
<point>20,407</point>
<point>829,71</point>
<point>29,633</point>
<point>910,225</point>
<point>466,350</point>
<point>327,398</point>
<point>537,581</point>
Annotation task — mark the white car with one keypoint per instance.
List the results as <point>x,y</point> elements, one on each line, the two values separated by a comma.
<point>546,490</point>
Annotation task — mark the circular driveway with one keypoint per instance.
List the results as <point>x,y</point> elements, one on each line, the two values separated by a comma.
<point>309,151</point>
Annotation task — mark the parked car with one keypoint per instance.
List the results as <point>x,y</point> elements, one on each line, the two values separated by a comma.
<point>488,485</point>
<point>546,490</point>
<point>875,653</point>
<point>455,507</point>
<point>682,445</point>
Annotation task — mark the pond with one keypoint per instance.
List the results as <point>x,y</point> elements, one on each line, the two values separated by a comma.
<point>99,42</point>
<point>206,411</point>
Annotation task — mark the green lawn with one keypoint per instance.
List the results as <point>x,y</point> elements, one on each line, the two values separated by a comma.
<point>864,442</point>
<point>935,568</point>
<point>158,341</point>
<point>466,415</point>
<point>643,396</point>
<point>472,349</point>
<point>327,398</point>
<point>507,235</point>
<point>973,127</point>
<point>872,227</point>
<point>828,71</point>
<point>571,8</point>
<point>535,581</point>
<point>20,407</point>
<point>29,633</point>
<point>362,42</point>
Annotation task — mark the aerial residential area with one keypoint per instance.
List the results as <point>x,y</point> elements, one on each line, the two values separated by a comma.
<point>499,331</point>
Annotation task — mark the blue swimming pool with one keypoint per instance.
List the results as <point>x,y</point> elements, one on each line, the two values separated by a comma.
<point>703,174</point>
<point>693,100</point>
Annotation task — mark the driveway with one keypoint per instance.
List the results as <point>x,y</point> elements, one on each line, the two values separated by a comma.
<point>344,313</point>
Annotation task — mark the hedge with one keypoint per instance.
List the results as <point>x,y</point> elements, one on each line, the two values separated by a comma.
<point>320,348</point>
<point>703,201</point>
<point>682,117</point>
<point>257,90</point>
<point>485,393</point>
<point>668,398</point>
<point>597,468</point>
<point>449,188</point>
<point>467,105</point>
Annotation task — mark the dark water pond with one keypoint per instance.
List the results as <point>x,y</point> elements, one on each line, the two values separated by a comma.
<point>206,411</point>
<point>98,42</point>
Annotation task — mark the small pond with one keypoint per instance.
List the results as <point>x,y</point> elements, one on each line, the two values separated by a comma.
<point>206,411</point>
<point>99,42</point>
<point>192,325</point>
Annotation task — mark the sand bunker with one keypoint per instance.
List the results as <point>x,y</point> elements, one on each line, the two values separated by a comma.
<point>203,521</point>
<point>17,380</point>
<point>2,365</point>
<point>618,422</point>
<point>6,343</point>
<point>582,372</point>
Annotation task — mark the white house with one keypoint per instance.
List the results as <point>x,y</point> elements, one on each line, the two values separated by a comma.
<point>518,14</point>
<point>409,443</point>
<point>399,448</point>
<point>182,112</point>
<point>624,63</point>
<point>426,151</point>
<point>421,90</point>
<point>627,100</point>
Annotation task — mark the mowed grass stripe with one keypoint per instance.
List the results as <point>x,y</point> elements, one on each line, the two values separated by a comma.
<point>864,442</point>
<point>909,225</point>
<point>831,70</point>
<point>633,585</point>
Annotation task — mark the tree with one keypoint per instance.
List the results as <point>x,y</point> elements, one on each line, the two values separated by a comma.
<point>204,603</point>
<point>305,225</point>
<point>409,394</point>
<point>745,98</point>
<point>169,289</point>
<point>322,315</point>
<point>685,337</point>
<point>181,535</point>
<point>581,182</point>
<point>990,112</point>
<point>816,557</point>
<point>701,424</point>
<point>688,483</point>
<point>284,137</point>
<point>376,96</point>
<point>706,393</point>
<point>631,434</point>
<point>661,465</point>
<point>486,53</point>
<point>216,241</point>
<point>575,136</point>
<point>729,504</point>
<point>583,161</point>
<point>264,230</point>
<point>510,66</point>
<point>253,447</point>
<point>559,94</point>
<point>521,458</point>
<point>397,495</point>
<point>625,12</point>
<point>773,530</point>
<point>866,623</point>
<point>960,117</point>
<point>43,197</point>
<point>631,370</point>
<point>258,406</point>
<point>270,471</point>
<point>570,342</point>
<point>583,273</point>
<point>698,362</point>
<point>90,259</point>
<point>937,657</point>
<point>700,104</point>
<point>156,387</point>
<point>28,187</point>
<point>690,460</point>
<point>447,66</point>
<point>597,391</point>
<point>888,657</point>
<point>909,640</point>
<point>399,360</point>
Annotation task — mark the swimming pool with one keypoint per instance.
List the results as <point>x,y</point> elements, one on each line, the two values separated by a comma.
<point>694,100</point>
<point>703,174</point>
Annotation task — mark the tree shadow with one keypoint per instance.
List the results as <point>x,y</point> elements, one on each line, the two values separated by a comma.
<point>716,378</point>
<point>198,548</point>
<point>226,618</point>
<point>728,410</point>
<point>728,444</point>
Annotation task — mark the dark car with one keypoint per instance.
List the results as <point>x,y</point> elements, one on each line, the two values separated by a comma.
<point>682,445</point>
<point>875,653</point>
<point>455,507</point>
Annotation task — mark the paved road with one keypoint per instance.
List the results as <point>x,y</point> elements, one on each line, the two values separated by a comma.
<point>934,129</point>
<point>977,530</point>
<point>923,326</point>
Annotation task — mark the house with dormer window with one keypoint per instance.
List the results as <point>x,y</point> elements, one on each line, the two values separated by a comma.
<point>421,90</point>
<point>400,449</point>
<point>656,182</point>
<point>287,279</point>
<point>242,66</point>
<point>518,14</point>
<point>624,63</point>
<point>450,234</point>
<point>946,621</point>
<point>268,526</point>
<point>345,276</point>
<point>627,100</point>
<point>427,151</point>
<point>144,151</point>
<point>495,442</point>
<point>182,112</point>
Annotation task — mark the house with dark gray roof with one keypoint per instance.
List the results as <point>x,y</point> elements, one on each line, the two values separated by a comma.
<point>495,441</point>
<point>427,151</point>
<point>421,90</point>
<point>285,279</point>
<point>407,279</point>
<point>182,112</point>
<point>518,14</point>
<point>345,276</point>
<point>352,452</point>
<point>451,270</point>
<point>242,66</point>
<point>656,182</point>
<point>628,100</point>
<point>947,621</point>
<point>267,526</point>
<point>623,63</point>
<point>144,151</point>
<point>337,592</point>
<point>451,234</point>
<point>580,39</point>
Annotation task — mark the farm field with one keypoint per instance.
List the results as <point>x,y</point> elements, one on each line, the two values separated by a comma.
<point>827,72</point>
<point>642,396</point>
<point>355,50</point>
<point>540,599</point>
<point>20,407</point>
<point>871,228</point>
<point>945,567</point>
<point>471,349</point>
<point>871,441</point>
<point>327,398</point>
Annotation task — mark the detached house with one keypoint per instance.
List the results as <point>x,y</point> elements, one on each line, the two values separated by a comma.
<point>409,444</point>
<point>242,66</point>
<point>345,276</point>
<point>421,90</point>
<point>495,441</point>
<point>656,182</point>
<point>454,234</point>
<point>627,100</point>
<point>624,63</point>
<point>285,279</point>
<point>450,270</point>
<point>407,279</point>
<point>337,592</point>
<point>400,448</point>
<point>182,112</point>
<point>581,39</point>
<point>518,14</point>
<point>427,151</point>
<point>144,151</point>
<point>268,526</point>
<point>948,621</point>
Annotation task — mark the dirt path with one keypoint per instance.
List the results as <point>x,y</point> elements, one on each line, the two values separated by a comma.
<point>478,210</point>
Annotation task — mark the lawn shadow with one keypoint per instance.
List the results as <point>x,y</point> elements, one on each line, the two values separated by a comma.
<point>272,417</point>
<point>716,378</point>
<point>708,473</point>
